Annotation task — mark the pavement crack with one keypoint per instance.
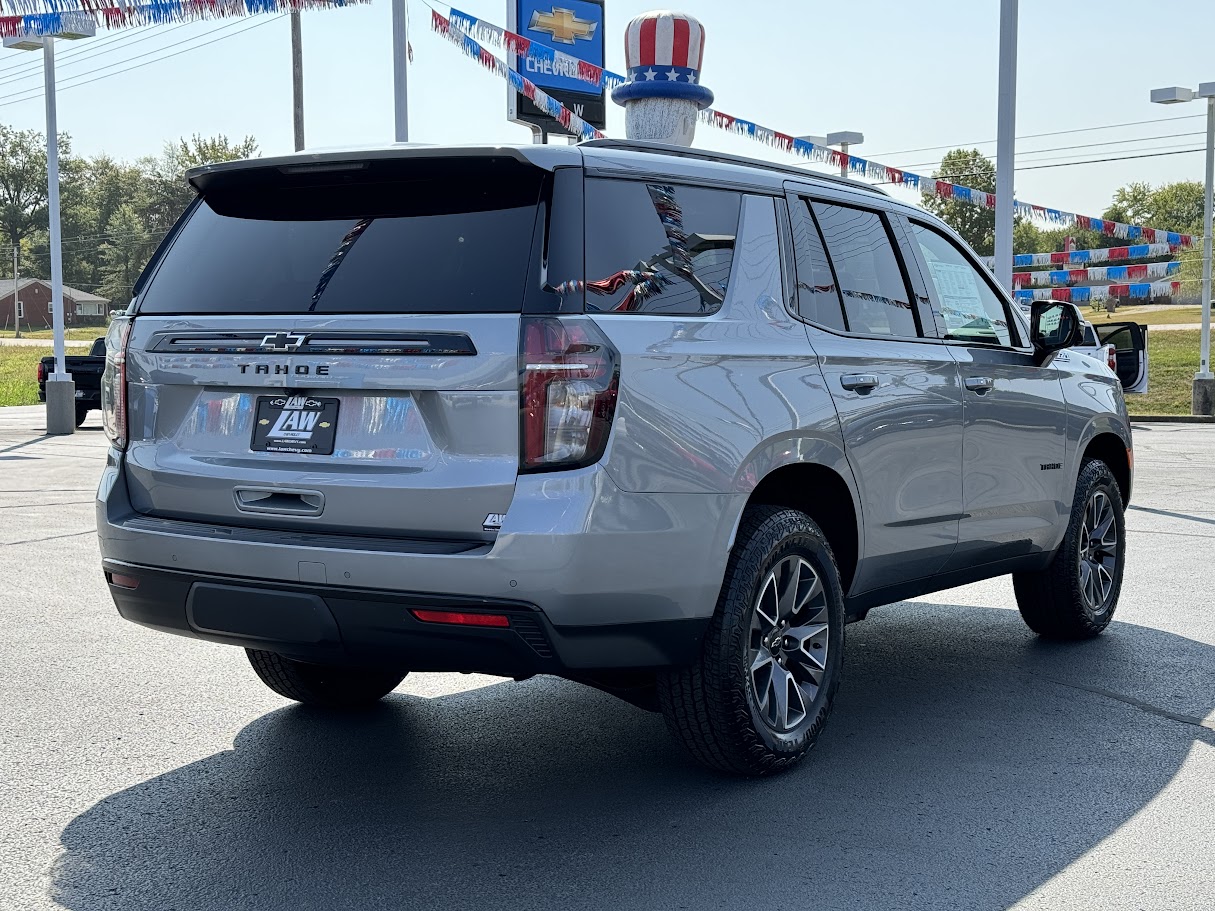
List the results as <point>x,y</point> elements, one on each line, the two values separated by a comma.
<point>74,534</point>
<point>1192,720</point>
<point>37,505</point>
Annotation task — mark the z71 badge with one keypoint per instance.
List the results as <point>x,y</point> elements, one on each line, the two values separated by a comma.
<point>295,423</point>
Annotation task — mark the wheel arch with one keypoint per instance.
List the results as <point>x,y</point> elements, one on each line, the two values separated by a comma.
<point>1109,441</point>
<point>822,493</point>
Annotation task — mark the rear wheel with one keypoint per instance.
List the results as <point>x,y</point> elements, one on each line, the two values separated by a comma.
<point>1076,595</point>
<point>322,685</point>
<point>81,414</point>
<point>758,696</point>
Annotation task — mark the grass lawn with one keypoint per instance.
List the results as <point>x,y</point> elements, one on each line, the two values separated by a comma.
<point>1172,362</point>
<point>18,374</point>
<point>1147,316</point>
<point>85,334</point>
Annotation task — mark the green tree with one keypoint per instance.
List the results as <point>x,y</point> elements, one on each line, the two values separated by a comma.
<point>167,194</point>
<point>122,255</point>
<point>976,224</point>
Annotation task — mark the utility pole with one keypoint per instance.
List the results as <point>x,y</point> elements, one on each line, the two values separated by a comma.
<point>1005,142</point>
<point>16,298</point>
<point>297,79</point>
<point>400,70</point>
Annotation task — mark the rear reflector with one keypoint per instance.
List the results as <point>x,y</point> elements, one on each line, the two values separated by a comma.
<point>124,581</point>
<point>455,618</point>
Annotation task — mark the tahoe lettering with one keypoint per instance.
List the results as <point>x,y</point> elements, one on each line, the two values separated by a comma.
<point>286,369</point>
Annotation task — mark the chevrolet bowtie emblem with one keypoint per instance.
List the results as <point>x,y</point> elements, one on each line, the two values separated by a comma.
<point>283,341</point>
<point>563,25</point>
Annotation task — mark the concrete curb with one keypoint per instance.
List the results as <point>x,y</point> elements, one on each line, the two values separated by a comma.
<point>1172,419</point>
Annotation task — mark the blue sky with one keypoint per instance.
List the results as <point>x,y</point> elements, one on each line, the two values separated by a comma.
<point>909,75</point>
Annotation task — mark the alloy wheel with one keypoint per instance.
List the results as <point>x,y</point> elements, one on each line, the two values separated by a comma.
<point>789,638</point>
<point>1098,553</point>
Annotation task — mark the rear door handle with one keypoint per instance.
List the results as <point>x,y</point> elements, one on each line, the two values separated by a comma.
<point>979,384</point>
<point>278,501</point>
<point>861,382</point>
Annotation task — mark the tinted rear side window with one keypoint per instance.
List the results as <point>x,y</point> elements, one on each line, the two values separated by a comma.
<point>818,298</point>
<point>875,294</point>
<point>416,243</point>
<point>658,248</point>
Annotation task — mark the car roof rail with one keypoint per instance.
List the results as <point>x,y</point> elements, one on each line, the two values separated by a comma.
<point>658,148</point>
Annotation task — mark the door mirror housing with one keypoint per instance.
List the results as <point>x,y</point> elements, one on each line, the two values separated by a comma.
<point>1054,325</point>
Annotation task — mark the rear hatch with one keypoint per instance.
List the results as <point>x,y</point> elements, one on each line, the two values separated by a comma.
<point>335,348</point>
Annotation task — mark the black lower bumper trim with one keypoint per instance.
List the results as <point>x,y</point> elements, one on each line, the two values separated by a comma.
<point>334,625</point>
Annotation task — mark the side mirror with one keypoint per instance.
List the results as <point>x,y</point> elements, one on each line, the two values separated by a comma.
<point>1054,325</point>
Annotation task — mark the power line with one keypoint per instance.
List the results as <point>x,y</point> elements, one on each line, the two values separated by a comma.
<point>1111,126</point>
<point>31,94</point>
<point>1068,164</point>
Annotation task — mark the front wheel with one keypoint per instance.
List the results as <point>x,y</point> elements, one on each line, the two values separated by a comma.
<point>322,685</point>
<point>760,692</point>
<point>1076,595</point>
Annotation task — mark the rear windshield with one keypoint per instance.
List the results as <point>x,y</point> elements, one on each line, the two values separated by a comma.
<point>427,240</point>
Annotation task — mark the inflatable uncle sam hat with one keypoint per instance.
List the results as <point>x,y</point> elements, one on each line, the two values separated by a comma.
<point>663,51</point>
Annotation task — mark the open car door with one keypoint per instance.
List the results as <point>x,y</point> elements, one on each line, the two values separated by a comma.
<point>1130,346</point>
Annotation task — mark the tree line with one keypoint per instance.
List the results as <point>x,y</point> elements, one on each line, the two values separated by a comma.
<point>113,213</point>
<point>1171,207</point>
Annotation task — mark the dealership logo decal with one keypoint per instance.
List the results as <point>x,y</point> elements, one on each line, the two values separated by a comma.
<point>563,25</point>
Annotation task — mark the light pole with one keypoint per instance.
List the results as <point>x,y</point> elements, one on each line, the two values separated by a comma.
<point>1006,126</point>
<point>60,390</point>
<point>1203,399</point>
<point>845,139</point>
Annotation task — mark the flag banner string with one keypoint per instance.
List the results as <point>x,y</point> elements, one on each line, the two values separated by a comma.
<point>474,51</point>
<point>1116,274</point>
<point>35,18</point>
<point>1082,257</point>
<point>1083,294</point>
<point>570,66</point>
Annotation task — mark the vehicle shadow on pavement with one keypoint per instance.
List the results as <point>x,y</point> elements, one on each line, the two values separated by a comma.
<point>966,763</point>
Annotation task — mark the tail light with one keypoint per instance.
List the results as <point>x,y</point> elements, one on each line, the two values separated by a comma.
<point>114,383</point>
<point>1111,357</point>
<point>569,376</point>
<point>41,372</point>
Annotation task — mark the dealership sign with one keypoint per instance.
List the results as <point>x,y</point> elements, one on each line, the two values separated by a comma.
<point>574,27</point>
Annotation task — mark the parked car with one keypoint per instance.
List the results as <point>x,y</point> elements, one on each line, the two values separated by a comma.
<point>85,371</point>
<point>1121,346</point>
<point>652,419</point>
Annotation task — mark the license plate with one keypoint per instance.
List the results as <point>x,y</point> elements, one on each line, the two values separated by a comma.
<point>295,423</point>
<point>79,393</point>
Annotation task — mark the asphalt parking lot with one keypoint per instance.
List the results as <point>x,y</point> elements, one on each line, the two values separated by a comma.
<point>967,765</point>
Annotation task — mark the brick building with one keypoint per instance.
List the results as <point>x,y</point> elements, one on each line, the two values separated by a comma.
<point>34,305</point>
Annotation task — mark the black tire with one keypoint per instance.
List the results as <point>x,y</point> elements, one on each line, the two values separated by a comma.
<point>322,685</point>
<point>81,414</point>
<point>712,707</point>
<point>1053,601</point>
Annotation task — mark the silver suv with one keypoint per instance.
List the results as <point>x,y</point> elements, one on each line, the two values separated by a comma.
<point>647,418</point>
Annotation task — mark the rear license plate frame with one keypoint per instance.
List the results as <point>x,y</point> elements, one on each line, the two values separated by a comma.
<point>295,424</point>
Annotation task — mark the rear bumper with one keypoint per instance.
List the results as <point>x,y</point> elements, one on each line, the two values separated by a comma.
<point>335,625</point>
<point>615,579</point>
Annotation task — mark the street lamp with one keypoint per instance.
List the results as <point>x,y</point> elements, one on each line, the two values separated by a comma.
<point>844,139</point>
<point>60,390</point>
<point>1203,401</point>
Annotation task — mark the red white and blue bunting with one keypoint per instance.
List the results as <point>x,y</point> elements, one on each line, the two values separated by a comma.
<point>861,167</point>
<point>545,102</point>
<point>1083,257</point>
<point>1084,295</point>
<point>54,17</point>
<point>1063,277</point>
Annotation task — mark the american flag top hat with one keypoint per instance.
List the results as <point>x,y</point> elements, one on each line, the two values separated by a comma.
<point>664,51</point>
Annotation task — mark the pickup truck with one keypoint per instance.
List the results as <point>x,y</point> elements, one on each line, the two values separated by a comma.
<point>85,371</point>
